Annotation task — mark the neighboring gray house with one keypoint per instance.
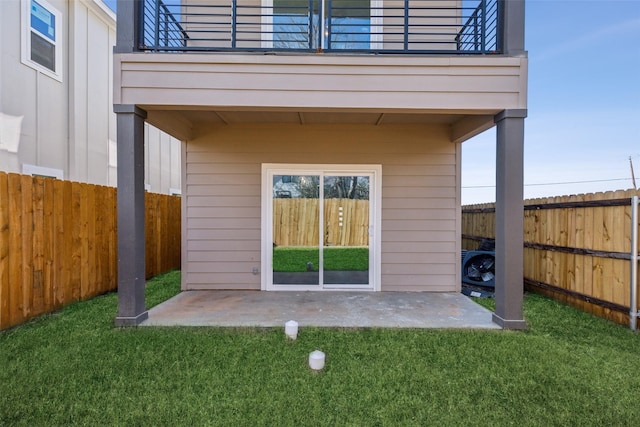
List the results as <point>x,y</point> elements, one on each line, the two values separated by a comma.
<point>307,122</point>
<point>56,96</point>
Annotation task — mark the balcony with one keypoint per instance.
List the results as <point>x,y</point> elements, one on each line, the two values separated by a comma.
<point>420,27</point>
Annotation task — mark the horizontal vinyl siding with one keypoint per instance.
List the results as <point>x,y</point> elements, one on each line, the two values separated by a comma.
<point>419,198</point>
<point>223,212</point>
<point>321,81</point>
<point>419,221</point>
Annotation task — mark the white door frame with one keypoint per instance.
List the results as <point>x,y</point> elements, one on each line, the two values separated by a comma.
<point>269,170</point>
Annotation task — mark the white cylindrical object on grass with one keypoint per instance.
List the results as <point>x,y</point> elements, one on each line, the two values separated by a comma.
<point>291,329</point>
<point>316,360</point>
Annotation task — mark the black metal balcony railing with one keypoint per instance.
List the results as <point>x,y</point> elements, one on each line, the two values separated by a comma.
<point>358,26</point>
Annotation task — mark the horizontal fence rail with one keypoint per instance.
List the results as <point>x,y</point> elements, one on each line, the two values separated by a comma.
<point>358,26</point>
<point>577,249</point>
<point>58,243</point>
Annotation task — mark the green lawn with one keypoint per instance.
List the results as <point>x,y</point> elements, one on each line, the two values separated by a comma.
<point>336,258</point>
<point>75,368</point>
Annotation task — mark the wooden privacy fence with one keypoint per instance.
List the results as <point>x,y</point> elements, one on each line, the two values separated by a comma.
<point>576,248</point>
<point>295,222</point>
<point>58,243</point>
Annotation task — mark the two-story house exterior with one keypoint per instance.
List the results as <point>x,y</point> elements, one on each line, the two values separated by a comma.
<point>315,130</point>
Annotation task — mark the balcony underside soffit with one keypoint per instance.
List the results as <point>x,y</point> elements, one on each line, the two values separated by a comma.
<point>189,124</point>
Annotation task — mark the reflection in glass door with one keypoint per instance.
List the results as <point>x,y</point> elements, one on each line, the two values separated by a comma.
<point>319,228</point>
<point>346,231</point>
<point>296,232</point>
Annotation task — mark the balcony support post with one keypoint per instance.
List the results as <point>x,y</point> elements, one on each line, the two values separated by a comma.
<point>509,219</point>
<point>131,216</point>
<point>128,24</point>
<point>511,40</point>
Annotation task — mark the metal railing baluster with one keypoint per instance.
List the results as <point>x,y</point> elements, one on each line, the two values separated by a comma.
<point>156,26</point>
<point>234,24</point>
<point>483,26</point>
<point>310,25</point>
<point>406,25</point>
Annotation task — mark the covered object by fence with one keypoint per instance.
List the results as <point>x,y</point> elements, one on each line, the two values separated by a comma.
<point>577,249</point>
<point>58,243</point>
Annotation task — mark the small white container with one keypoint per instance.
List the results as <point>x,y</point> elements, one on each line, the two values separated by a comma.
<point>291,329</point>
<point>316,360</point>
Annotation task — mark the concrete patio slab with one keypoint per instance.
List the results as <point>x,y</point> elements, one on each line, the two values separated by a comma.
<point>323,309</point>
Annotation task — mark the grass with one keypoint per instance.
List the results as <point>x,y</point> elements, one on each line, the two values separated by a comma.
<point>75,368</point>
<point>337,258</point>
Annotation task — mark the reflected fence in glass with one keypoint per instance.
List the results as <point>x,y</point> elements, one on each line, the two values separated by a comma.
<point>298,224</point>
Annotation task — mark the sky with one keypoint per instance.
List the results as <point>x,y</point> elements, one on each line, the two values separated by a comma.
<point>583,119</point>
<point>111,4</point>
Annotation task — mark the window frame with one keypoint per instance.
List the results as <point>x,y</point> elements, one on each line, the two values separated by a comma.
<point>28,30</point>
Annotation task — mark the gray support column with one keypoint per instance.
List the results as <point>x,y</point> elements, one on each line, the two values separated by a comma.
<point>131,233</point>
<point>511,39</point>
<point>127,26</point>
<point>509,219</point>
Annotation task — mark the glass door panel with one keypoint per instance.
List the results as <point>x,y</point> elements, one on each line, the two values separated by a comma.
<point>295,24</point>
<point>349,24</point>
<point>345,250</point>
<point>296,230</point>
<point>327,24</point>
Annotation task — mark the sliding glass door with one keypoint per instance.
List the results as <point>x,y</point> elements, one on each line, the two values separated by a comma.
<point>321,24</point>
<point>318,228</point>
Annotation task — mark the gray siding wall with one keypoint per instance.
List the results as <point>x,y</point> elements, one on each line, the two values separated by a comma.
<point>35,98</point>
<point>420,180</point>
<point>69,125</point>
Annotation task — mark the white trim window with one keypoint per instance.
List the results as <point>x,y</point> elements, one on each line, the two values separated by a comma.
<point>41,40</point>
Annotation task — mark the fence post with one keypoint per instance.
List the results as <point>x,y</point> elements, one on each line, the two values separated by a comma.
<point>633,312</point>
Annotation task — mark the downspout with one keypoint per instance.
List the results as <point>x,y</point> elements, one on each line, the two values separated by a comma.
<point>633,312</point>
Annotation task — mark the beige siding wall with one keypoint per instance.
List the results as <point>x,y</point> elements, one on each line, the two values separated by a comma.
<point>69,125</point>
<point>420,180</point>
<point>385,83</point>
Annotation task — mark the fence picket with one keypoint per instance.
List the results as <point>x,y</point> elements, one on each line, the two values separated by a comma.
<point>5,315</point>
<point>48,242</point>
<point>59,248</point>
<point>37,288</point>
<point>98,280</point>
<point>75,285</point>
<point>16,296</point>
<point>27,246</point>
